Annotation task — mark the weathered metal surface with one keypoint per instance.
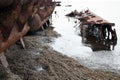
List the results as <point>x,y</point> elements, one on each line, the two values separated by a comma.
<point>5,3</point>
<point>98,27</point>
<point>92,18</point>
<point>8,18</point>
<point>14,36</point>
<point>88,17</point>
<point>44,12</point>
<point>22,16</point>
<point>95,28</point>
<point>35,22</point>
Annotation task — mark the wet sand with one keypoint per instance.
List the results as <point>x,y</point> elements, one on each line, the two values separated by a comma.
<point>40,62</point>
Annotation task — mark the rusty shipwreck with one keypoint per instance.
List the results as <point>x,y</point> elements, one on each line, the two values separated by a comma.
<point>96,31</point>
<point>18,17</point>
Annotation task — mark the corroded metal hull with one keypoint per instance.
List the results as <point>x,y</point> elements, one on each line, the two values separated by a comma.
<point>42,15</point>
<point>21,16</point>
<point>5,3</point>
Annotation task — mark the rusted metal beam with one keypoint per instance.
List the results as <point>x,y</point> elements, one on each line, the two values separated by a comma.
<point>91,18</point>
<point>14,36</point>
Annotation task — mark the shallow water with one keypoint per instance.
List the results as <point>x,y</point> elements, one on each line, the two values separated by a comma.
<point>71,44</point>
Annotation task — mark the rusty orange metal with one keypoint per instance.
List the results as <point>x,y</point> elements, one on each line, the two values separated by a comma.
<point>91,18</point>
<point>15,20</point>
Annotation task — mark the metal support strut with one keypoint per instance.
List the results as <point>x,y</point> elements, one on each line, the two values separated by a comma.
<point>42,28</point>
<point>22,42</point>
<point>3,60</point>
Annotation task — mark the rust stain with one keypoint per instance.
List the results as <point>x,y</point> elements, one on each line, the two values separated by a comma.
<point>21,17</point>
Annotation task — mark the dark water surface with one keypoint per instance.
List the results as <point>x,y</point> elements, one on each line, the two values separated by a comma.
<point>71,44</point>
